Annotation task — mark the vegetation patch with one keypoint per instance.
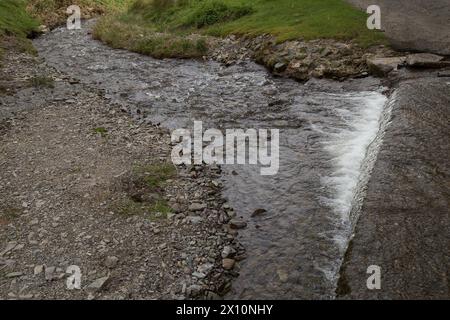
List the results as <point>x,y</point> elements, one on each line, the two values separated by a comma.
<point>53,12</point>
<point>144,189</point>
<point>9,213</point>
<point>118,33</point>
<point>283,19</point>
<point>14,20</point>
<point>42,82</point>
<point>211,12</point>
<point>102,131</point>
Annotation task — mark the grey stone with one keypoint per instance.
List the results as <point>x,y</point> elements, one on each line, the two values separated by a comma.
<point>97,284</point>
<point>14,274</point>
<point>194,219</point>
<point>111,262</point>
<point>199,275</point>
<point>205,268</point>
<point>280,66</point>
<point>237,224</point>
<point>382,66</point>
<point>227,252</point>
<point>423,60</point>
<point>49,273</point>
<point>38,269</point>
<point>197,206</point>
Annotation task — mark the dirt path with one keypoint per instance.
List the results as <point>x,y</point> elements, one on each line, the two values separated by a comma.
<point>72,170</point>
<point>415,25</point>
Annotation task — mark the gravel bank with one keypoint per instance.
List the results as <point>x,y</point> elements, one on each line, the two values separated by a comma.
<point>67,158</point>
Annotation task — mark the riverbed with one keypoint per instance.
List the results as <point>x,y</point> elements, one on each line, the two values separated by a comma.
<point>295,248</point>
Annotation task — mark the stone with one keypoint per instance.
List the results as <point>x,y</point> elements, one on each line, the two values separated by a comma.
<point>43,29</point>
<point>199,275</point>
<point>237,224</point>
<point>194,219</point>
<point>111,262</point>
<point>280,66</point>
<point>197,206</point>
<point>97,284</point>
<point>258,212</point>
<point>382,66</point>
<point>14,274</point>
<point>444,74</point>
<point>38,269</point>
<point>193,290</point>
<point>205,268</point>
<point>227,252</point>
<point>49,273</point>
<point>228,264</point>
<point>9,246</point>
<point>423,60</point>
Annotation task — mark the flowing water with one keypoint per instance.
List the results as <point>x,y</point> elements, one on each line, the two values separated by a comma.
<point>295,248</point>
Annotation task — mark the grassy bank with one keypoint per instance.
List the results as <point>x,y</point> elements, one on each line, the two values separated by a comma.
<point>15,25</point>
<point>284,19</point>
<point>21,18</point>
<point>53,12</point>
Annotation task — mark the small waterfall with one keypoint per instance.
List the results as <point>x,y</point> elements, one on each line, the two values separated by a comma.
<point>353,149</point>
<point>365,173</point>
<point>369,162</point>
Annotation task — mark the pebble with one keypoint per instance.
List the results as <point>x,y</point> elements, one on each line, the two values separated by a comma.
<point>237,224</point>
<point>197,206</point>
<point>14,274</point>
<point>194,219</point>
<point>97,284</point>
<point>199,275</point>
<point>111,261</point>
<point>228,264</point>
<point>49,273</point>
<point>227,251</point>
<point>38,269</point>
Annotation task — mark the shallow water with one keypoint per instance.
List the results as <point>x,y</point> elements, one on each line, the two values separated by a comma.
<point>295,248</point>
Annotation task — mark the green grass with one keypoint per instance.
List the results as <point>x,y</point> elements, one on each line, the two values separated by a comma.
<point>284,19</point>
<point>120,33</point>
<point>42,82</point>
<point>101,130</point>
<point>145,188</point>
<point>155,175</point>
<point>154,211</point>
<point>14,20</point>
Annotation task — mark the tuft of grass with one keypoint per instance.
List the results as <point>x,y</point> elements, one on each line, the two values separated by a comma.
<point>42,82</point>
<point>212,12</point>
<point>154,211</point>
<point>14,20</point>
<point>155,175</point>
<point>101,130</point>
<point>9,213</point>
<point>145,188</point>
<point>120,34</point>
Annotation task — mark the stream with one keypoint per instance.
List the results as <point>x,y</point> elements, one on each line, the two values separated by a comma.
<point>295,248</point>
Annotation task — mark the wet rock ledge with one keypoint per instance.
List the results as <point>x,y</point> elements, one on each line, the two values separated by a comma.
<point>404,223</point>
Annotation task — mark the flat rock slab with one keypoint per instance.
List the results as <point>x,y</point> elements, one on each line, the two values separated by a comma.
<point>425,60</point>
<point>404,223</point>
<point>382,66</point>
